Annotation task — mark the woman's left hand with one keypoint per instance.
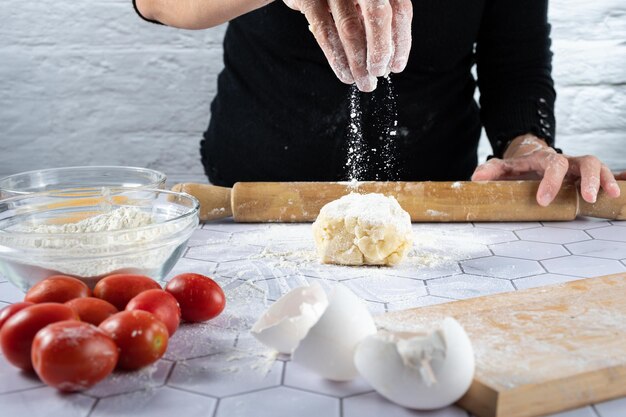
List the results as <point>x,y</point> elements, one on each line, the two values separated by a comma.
<point>529,157</point>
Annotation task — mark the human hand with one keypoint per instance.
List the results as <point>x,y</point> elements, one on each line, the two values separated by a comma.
<point>529,157</point>
<point>361,39</point>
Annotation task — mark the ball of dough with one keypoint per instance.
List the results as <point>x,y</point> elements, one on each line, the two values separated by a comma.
<point>363,229</point>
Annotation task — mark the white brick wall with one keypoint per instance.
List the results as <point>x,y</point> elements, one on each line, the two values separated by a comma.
<point>87,82</point>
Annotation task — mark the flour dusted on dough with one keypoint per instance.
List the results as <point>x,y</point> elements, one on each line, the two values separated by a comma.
<point>363,229</point>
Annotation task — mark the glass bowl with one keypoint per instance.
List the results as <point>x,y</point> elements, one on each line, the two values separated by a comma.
<point>37,240</point>
<point>78,177</point>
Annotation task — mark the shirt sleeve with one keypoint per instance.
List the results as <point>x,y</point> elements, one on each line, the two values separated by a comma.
<point>141,16</point>
<point>514,65</point>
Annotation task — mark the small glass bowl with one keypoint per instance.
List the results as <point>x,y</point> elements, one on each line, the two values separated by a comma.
<point>27,257</point>
<point>79,177</point>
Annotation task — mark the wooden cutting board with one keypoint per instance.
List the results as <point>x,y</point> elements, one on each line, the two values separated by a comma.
<point>542,350</point>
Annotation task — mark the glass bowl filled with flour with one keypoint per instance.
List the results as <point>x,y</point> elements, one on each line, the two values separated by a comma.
<point>89,233</point>
<point>78,177</point>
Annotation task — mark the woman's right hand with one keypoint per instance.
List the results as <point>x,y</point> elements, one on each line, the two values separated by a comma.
<point>361,39</point>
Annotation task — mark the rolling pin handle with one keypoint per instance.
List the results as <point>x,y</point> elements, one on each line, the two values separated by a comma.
<point>605,207</point>
<point>215,202</point>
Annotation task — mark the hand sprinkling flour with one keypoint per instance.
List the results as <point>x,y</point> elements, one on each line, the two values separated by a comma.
<point>361,39</point>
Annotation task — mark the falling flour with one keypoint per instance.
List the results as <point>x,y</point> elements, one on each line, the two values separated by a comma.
<point>354,163</point>
<point>378,153</point>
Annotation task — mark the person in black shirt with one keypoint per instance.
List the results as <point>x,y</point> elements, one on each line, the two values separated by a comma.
<point>282,113</point>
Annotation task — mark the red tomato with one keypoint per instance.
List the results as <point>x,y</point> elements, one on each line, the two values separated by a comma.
<point>161,304</point>
<point>92,310</point>
<point>57,289</point>
<point>200,297</point>
<point>8,311</point>
<point>73,356</point>
<point>18,332</point>
<point>119,289</point>
<point>139,336</point>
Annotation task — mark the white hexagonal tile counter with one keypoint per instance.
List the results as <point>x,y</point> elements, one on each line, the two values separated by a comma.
<point>508,225</point>
<point>582,266</point>
<point>580,224</point>
<point>373,405</point>
<point>203,237</point>
<point>13,379</point>
<point>542,280</point>
<point>501,267</point>
<point>529,250</point>
<point>226,374</point>
<point>553,235</point>
<point>150,377</point>
<point>296,376</point>
<point>219,253</point>
<point>9,293</point>
<point>467,286</point>
<point>197,266</point>
<point>45,402</point>
<point>613,408</point>
<point>279,402</point>
<point>615,233</point>
<point>162,402</point>
<point>387,289</point>
<point>218,369</point>
<point>599,248</point>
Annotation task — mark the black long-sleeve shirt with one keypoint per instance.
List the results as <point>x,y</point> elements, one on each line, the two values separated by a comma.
<point>280,114</point>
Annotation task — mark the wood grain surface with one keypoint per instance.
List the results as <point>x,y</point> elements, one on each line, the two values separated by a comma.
<point>424,201</point>
<point>459,201</point>
<point>541,350</point>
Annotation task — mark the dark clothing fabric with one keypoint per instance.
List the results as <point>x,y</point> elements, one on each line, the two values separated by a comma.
<point>280,113</point>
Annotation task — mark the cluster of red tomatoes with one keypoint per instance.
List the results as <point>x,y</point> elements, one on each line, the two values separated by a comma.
<point>73,338</point>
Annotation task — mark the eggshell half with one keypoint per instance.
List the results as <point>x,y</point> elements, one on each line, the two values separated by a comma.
<point>328,349</point>
<point>290,318</point>
<point>423,371</point>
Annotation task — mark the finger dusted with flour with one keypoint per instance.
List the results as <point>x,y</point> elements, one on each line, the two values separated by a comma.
<point>362,39</point>
<point>352,36</point>
<point>323,29</point>
<point>401,30</point>
<point>377,18</point>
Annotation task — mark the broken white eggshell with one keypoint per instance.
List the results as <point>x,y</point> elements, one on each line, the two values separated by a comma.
<point>289,319</point>
<point>418,370</point>
<point>328,348</point>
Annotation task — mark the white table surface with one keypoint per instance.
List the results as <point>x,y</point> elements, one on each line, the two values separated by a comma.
<point>217,369</point>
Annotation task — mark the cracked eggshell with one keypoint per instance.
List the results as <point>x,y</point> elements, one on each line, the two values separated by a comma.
<point>423,371</point>
<point>290,318</point>
<point>328,349</point>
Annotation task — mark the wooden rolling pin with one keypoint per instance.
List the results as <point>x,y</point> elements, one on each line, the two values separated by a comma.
<point>425,201</point>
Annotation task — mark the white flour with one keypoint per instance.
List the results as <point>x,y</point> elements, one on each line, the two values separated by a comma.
<point>356,146</point>
<point>119,219</point>
<point>79,249</point>
<point>384,122</point>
